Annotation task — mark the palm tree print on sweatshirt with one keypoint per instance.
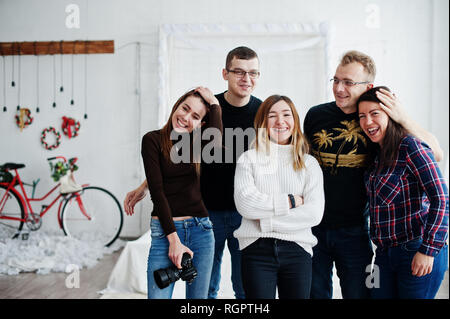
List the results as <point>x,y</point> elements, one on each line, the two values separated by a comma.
<point>350,133</point>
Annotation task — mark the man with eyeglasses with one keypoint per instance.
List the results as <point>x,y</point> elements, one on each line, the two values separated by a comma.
<point>342,150</point>
<point>239,108</point>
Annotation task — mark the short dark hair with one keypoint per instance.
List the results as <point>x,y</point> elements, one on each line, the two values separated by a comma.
<point>243,53</point>
<point>395,133</point>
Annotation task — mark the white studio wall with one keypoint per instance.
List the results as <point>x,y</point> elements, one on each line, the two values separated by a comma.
<point>300,48</point>
<point>407,38</point>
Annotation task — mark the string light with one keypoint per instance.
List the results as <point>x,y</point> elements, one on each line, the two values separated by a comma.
<point>4,85</point>
<point>54,80</point>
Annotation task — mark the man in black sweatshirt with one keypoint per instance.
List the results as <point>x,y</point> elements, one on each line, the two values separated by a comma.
<point>343,151</point>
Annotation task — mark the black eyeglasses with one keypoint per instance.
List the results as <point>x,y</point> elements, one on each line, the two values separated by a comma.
<point>347,83</point>
<point>241,73</point>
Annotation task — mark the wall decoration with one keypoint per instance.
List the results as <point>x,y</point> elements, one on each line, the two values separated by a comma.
<point>70,127</point>
<point>51,48</point>
<point>57,138</point>
<point>24,118</point>
<point>56,47</point>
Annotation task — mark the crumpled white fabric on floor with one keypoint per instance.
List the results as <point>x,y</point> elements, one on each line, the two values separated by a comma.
<point>130,272</point>
<point>47,251</point>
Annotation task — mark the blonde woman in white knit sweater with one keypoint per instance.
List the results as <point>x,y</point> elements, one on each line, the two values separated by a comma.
<point>278,190</point>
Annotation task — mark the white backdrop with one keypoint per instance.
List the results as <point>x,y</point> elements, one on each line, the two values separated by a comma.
<point>294,60</point>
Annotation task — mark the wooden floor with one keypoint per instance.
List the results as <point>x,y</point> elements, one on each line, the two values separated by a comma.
<point>53,285</point>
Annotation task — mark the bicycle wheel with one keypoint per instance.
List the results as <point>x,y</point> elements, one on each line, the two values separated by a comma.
<point>93,215</point>
<point>10,206</point>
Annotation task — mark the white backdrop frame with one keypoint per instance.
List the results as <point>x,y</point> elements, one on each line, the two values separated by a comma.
<point>191,35</point>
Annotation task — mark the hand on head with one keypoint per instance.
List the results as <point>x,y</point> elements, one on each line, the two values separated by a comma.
<point>207,94</point>
<point>392,106</point>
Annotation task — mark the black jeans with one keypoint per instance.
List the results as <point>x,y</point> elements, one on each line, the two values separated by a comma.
<point>350,250</point>
<point>269,263</point>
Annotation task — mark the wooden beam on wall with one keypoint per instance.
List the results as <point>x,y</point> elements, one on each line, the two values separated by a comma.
<point>56,47</point>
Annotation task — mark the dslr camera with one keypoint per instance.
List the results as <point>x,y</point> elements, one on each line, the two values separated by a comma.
<point>165,276</point>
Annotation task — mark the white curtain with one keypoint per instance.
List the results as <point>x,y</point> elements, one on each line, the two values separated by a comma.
<point>294,60</point>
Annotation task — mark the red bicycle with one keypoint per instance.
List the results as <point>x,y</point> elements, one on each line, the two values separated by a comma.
<point>90,214</point>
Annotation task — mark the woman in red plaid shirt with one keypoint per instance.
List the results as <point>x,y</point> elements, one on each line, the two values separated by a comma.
<point>408,201</point>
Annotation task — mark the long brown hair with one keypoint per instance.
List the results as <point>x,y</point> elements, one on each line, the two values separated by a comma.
<point>297,139</point>
<point>387,154</point>
<point>167,143</point>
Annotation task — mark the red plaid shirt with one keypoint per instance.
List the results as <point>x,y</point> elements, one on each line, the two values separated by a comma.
<point>409,200</point>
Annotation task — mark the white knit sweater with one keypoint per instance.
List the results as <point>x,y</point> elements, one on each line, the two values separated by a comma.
<point>261,186</point>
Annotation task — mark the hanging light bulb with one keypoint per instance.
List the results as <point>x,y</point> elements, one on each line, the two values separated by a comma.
<point>37,78</point>
<point>18,79</point>
<point>85,80</point>
<point>13,84</point>
<point>4,84</point>
<point>54,81</point>
<point>72,102</point>
<point>61,89</point>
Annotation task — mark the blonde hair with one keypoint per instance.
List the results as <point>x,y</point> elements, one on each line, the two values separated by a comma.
<point>366,61</point>
<point>298,140</point>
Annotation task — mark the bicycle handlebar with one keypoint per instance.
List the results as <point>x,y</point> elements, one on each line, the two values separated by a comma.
<point>61,157</point>
<point>53,158</point>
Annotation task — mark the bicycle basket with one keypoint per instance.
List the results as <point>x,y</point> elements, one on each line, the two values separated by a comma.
<point>5,177</point>
<point>61,168</point>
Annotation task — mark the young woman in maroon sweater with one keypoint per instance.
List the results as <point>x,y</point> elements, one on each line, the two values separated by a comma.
<point>180,221</point>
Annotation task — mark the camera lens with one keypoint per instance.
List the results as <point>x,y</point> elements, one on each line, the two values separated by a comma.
<point>161,278</point>
<point>165,276</point>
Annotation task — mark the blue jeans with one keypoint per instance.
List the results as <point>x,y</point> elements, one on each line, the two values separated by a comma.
<point>396,279</point>
<point>196,234</point>
<point>224,224</point>
<point>269,263</point>
<point>350,249</point>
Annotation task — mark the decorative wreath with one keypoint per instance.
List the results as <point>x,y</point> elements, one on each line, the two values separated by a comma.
<point>44,135</point>
<point>20,118</point>
<point>67,125</point>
